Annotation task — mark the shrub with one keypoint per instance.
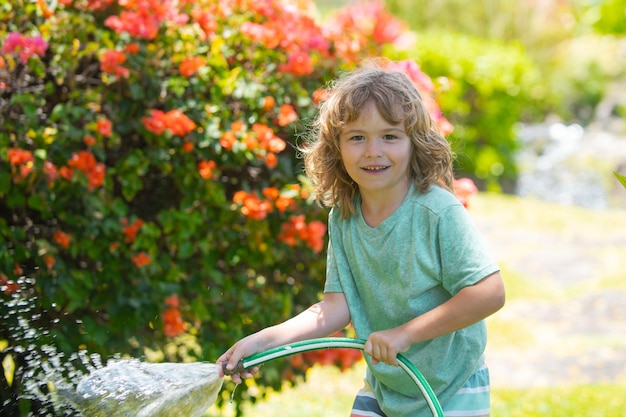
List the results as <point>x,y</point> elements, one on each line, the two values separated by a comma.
<point>484,88</point>
<point>149,188</point>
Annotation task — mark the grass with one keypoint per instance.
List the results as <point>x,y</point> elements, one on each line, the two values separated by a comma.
<point>518,227</point>
<point>329,393</point>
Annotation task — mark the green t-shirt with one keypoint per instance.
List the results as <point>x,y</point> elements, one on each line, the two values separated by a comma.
<point>416,259</point>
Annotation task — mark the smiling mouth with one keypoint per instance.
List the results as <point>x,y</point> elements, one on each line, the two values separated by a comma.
<point>375,168</point>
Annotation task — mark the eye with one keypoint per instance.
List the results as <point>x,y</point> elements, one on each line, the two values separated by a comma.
<point>357,138</point>
<point>390,137</point>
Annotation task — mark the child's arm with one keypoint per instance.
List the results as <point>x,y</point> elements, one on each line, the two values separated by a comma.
<point>467,307</point>
<point>320,320</point>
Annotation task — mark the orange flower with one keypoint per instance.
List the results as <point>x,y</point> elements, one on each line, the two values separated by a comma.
<point>239,196</point>
<point>8,287</point>
<point>271,192</point>
<point>268,103</point>
<point>315,235</point>
<point>252,206</point>
<point>19,156</point>
<point>45,11</point>
<point>132,48</point>
<point>51,171</point>
<point>141,259</point>
<point>298,63</point>
<point>227,140</point>
<point>85,161</point>
<point>464,189</point>
<point>173,324</point>
<point>174,120</point>
<point>251,142</point>
<point>172,301</point>
<point>111,62</point>
<point>271,160</point>
<point>205,168</point>
<point>283,203</point>
<point>105,127</point>
<point>188,146</point>
<point>276,145</point>
<point>89,140</point>
<point>49,260</point>
<point>62,239</point>
<point>66,172</point>
<point>190,66</point>
<point>296,230</point>
<point>237,126</point>
<point>320,95</point>
<point>130,231</point>
<point>178,123</point>
<point>286,115</point>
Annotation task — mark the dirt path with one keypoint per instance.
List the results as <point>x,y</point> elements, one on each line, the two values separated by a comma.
<point>567,321</point>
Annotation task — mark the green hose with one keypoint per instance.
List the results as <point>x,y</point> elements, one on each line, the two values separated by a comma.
<point>344,342</point>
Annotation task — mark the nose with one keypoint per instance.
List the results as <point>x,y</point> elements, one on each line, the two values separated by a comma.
<point>373,150</point>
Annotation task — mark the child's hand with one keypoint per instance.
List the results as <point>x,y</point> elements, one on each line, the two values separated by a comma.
<point>384,346</point>
<point>230,360</point>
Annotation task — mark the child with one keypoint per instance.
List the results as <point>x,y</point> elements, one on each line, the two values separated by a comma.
<point>405,263</point>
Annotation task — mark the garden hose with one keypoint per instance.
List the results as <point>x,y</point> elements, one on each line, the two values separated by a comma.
<point>335,343</point>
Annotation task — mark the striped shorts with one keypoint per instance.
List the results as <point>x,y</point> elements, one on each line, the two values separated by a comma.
<point>472,400</point>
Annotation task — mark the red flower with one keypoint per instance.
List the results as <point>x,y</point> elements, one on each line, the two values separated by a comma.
<point>464,189</point>
<point>132,48</point>
<point>173,324</point>
<point>172,301</point>
<point>130,231</point>
<point>297,230</point>
<point>268,103</point>
<point>51,171</point>
<point>188,146</point>
<point>205,168</point>
<point>190,66</point>
<point>111,62</point>
<point>89,140</point>
<point>62,239</point>
<point>252,206</point>
<point>320,95</point>
<point>105,127</point>
<point>141,259</point>
<point>286,115</point>
<point>19,156</point>
<point>7,286</point>
<point>227,140</point>
<point>298,63</point>
<point>155,123</point>
<point>85,161</point>
<point>271,160</point>
<point>174,120</point>
<point>49,261</point>
<point>24,46</point>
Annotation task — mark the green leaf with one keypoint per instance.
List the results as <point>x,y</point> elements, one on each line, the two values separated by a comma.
<point>5,182</point>
<point>35,202</point>
<point>620,178</point>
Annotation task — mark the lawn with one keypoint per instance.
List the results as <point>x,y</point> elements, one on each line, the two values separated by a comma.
<point>549,254</point>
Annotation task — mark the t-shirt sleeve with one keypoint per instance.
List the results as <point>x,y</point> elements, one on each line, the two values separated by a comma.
<point>465,258</point>
<point>333,284</point>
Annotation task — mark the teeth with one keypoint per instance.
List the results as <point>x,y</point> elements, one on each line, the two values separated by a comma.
<point>374,168</point>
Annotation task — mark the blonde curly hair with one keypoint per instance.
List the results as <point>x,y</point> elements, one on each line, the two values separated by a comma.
<point>398,101</point>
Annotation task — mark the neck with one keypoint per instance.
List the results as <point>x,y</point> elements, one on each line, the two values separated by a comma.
<point>377,207</point>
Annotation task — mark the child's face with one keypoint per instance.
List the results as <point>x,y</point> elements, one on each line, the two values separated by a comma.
<point>376,154</point>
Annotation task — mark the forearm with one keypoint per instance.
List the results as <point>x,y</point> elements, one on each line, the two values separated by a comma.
<point>470,305</point>
<point>320,320</point>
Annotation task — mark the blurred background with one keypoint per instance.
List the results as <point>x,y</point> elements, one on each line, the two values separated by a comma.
<point>538,84</point>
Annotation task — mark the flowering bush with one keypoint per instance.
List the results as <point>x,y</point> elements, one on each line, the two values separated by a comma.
<point>149,185</point>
